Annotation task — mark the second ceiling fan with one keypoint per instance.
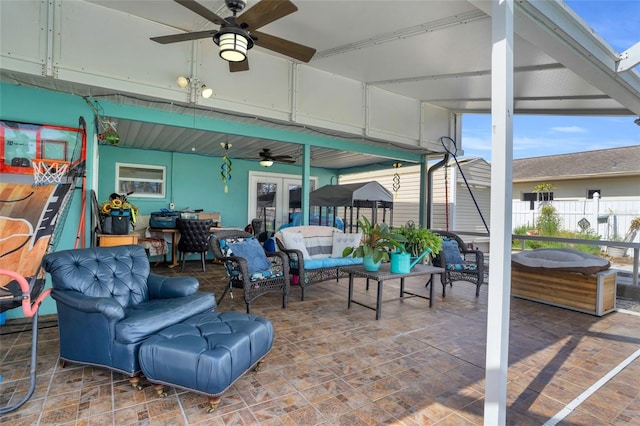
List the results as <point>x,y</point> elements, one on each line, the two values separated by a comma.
<point>267,159</point>
<point>237,34</point>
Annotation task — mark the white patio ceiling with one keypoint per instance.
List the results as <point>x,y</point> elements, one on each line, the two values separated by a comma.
<point>436,52</point>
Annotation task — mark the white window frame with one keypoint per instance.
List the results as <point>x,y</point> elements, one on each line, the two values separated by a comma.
<point>162,181</point>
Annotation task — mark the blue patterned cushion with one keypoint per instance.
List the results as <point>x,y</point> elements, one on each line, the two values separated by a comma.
<point>461,267</point>
<point>451,252</point>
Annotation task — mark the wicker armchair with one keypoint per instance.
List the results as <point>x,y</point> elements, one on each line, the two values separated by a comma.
<point>246,272</point>
<point>466,265</point>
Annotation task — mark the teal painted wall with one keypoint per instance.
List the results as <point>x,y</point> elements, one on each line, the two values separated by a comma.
<point>193,181</point>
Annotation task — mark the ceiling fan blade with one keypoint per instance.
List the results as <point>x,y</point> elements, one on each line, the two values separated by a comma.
<point>265,12</point>
<point>285,47</point>
<point>239,66</point>
<point>196,7</point>
<point>174,38</point>
<point>281,157</point>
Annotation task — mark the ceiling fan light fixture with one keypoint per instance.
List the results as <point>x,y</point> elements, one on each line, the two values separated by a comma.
<point>233,47</point>
<point>234,42</point>
<point>266,163</point>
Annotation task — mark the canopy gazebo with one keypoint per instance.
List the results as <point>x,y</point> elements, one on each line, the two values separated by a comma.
<point>363,195</point>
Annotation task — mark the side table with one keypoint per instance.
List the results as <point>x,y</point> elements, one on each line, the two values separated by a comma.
<point>110,240</point>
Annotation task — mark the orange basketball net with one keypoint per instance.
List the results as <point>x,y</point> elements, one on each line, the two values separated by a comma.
<point>48,172</point>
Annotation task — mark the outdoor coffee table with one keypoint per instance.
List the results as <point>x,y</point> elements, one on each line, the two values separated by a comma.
<point>384,274</point>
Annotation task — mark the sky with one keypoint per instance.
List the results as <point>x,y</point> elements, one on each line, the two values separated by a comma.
<point>618,23</point>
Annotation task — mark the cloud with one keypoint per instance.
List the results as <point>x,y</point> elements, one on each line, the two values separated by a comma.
<point>569,129</point>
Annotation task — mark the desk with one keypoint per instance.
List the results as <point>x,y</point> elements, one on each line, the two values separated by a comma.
<point>174,241</point>
<point>384,274</point>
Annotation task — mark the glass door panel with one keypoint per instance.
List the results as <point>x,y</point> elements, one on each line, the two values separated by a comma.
<point>275,199</point>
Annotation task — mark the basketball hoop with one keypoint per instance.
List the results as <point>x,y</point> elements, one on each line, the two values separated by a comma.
<point>48,172</point>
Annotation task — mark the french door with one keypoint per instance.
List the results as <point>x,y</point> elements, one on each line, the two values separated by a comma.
<point>274,198</point>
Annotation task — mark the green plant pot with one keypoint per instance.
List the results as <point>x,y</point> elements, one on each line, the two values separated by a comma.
<point>370,265</point>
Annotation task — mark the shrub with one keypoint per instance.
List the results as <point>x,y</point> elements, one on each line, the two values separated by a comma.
<point>548,223</point>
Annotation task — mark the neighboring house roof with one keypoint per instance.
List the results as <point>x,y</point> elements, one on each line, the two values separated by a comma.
<point>612,162</point>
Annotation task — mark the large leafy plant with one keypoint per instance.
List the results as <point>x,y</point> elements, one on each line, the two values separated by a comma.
<point>418,239</point>
<point>377,240</point>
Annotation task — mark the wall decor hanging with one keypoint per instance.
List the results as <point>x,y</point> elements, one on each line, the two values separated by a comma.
<point>225,172</point>
<point>396,179</point>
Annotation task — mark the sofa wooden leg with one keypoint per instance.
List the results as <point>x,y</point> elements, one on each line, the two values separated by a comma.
<point>213,403</point>
<point>160,391</point>
<point>135,382</point>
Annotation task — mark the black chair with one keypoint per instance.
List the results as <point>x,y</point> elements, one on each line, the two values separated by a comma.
<point>459,262</point>
<point>256,225</point>
<point>194,238</point>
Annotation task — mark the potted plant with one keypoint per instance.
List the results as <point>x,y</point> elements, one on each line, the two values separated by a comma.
<point>377,242</point>
<point>420,239</point>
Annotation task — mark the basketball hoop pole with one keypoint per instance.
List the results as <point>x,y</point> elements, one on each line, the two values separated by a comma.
<point>80,237</point>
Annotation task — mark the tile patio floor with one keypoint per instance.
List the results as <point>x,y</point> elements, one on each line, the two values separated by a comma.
<point>333,366</point>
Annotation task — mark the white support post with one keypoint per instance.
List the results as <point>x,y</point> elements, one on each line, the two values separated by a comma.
<point>497,351</point>
<point>596,212</point>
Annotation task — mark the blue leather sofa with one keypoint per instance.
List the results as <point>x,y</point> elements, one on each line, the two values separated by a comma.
<point>109,304</point>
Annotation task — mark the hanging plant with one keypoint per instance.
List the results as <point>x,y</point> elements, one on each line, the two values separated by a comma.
<point>225,173</point>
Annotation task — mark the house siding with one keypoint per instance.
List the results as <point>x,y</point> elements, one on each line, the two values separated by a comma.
<point>461,213</point>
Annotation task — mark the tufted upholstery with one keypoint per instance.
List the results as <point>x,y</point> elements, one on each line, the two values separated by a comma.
<point>194,237</point>
<point>208,352</point>
<point>109,303</point>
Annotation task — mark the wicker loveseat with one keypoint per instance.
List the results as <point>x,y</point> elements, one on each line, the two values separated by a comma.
<point>315,253</point>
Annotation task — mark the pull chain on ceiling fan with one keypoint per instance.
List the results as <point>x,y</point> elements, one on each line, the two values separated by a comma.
<point>237,34</point>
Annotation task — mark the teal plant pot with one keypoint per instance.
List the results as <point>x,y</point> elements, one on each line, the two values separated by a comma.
<point>370,265</point>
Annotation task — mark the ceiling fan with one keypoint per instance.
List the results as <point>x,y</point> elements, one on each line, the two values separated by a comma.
<point>237,34</point>
<point>267,159</point>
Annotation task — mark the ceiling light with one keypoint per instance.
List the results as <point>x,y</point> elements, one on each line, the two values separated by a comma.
<point>183,82</point>
<point>206,92</point>
<point>233,42</point>
<point>266,163</point>
<point>196,85</point>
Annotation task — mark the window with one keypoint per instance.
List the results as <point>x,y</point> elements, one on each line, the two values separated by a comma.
<point>590,193</point>
<point>532,197</point>
<point>141,180</point>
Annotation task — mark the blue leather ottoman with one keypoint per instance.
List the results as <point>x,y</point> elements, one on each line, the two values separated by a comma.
<point>206,353</point>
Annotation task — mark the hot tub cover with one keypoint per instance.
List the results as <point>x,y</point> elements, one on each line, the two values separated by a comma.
<point>560,259</point>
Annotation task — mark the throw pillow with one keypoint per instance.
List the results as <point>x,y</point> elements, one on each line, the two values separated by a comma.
<point>451,252</point>
<point>342,241</point>
<point>319,247</point>
<point>252,251</point>
<point>295,240</point>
